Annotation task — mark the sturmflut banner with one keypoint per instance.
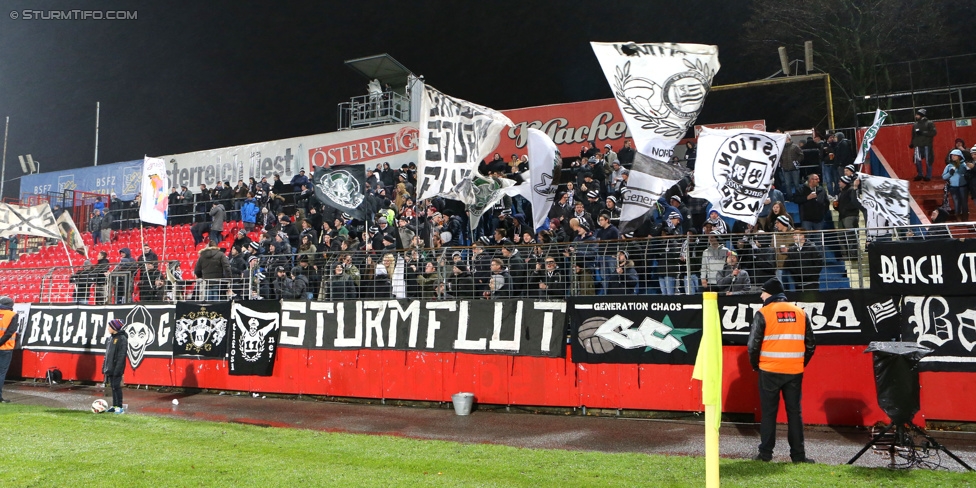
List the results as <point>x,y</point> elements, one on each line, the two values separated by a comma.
<point>735,168</point>
<point>455,135</point>
<point>931,267</point>
<point>516,327</point>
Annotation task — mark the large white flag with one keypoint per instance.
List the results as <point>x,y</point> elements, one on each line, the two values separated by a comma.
<point>862,152</point>
<point>886,200</point>
<point>455,135</point>
<point>735,168</point>
<point>540,184</point>
<point>155,191</point>
<point>660,89</point>
<point>37,220</point>
<point>70,234</point>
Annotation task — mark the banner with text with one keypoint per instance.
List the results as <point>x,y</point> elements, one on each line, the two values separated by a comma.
<point>516,327</point>
<point>945,324</point>
<point>254,337</point>
<point>83,329</point>
<point>840,317</point>
<point>647,330</point>
<point>934,267</point>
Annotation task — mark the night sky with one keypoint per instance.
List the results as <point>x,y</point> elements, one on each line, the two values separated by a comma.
<point>188,76</point>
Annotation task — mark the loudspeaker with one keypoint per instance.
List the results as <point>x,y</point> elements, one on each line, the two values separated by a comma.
<point>896,378</point>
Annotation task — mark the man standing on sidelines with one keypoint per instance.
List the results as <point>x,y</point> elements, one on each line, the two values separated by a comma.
<point>8,338</point>
<point>781,344</point>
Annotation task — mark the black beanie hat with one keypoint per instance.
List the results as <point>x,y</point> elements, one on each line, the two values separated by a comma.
<point>773,287</point>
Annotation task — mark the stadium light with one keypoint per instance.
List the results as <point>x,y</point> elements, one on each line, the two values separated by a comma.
<point>808,55</point>
<point>34,165</point>
<point>23,164</point>
<point>784,61</point>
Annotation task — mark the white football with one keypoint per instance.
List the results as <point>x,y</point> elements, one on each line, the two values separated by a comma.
<point>99,406</point>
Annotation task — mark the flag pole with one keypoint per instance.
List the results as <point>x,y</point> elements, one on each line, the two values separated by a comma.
<point>65,246</point>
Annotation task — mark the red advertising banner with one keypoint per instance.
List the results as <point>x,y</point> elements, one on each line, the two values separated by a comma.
<point>569,125</point>
<point>380,147</point>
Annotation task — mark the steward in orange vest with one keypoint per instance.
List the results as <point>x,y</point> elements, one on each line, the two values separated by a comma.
<point>781,344</point>
<point>8,339</point>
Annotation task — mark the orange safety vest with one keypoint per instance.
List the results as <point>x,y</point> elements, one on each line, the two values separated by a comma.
<point>783,346</point>
<point>6,317</point>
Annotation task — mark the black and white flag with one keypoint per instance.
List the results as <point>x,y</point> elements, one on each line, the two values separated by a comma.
<point>480,193</point>
<point>886,201</point>
<point>37,220</point>
<point>201,329</point>
<point>342,188</point>
<point>539,186</point>
<point>735,169</point>
<point>660,89</point>
<point>455,135</point>
<point>254,337</point>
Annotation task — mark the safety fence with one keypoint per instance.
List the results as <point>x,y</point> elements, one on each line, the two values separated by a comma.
<point>729,264</point>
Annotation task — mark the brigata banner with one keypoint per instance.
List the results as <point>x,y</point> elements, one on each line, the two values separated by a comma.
<point>932,267</point>
<point>516,327</point>
<point>82,329</point>
<point>644,330</point>
<point>945,324</point>
<point>840,317</point>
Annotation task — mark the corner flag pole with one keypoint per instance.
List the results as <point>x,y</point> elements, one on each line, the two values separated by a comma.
<point>708,369</point>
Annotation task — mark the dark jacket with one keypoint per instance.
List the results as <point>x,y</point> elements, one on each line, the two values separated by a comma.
<point>922,133</point>
<point>116,347</point>
<point>212,264</point>
<point>758,332</point>
<point>811,210</point>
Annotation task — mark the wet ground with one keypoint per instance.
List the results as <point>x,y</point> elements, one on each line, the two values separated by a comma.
<point>569,430</point>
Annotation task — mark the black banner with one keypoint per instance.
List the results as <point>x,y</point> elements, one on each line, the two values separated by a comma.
<point>945,324</point>
<point>82,329</point>
<point>516,327</point>
<point>642,330</point>
<point>944,267</point>
<point>201,329</point>
<point>342,188</point>
<point>840,317</point>
<point>254,337</point>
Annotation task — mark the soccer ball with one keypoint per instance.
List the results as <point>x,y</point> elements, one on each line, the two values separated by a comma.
<point>99,406</point>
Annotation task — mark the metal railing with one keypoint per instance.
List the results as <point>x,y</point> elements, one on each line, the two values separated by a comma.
<point>804,261</point>
<point>387,107</point>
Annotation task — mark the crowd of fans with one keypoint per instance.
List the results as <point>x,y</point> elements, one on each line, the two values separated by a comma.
<point>294,246</point>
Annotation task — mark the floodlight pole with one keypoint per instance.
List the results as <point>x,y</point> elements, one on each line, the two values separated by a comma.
<point>3,165</point>
<point>98,107</point>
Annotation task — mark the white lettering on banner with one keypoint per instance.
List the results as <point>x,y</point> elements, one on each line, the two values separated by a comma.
<point>927,326</point>
<point>650,333</point>
<point>374,322</point>
<point>285,336</point>
<point>357,339</point>
<point>969,277</point>
<point>497,344</point>
<point>411,314</point>
<point>547,320</point>
<point>462,341</point>
<point>967,329</point>
<point>642,306</point>
<point>841,319</point>
<point>739,316</point>
<point>432,323</point>
<point>560,132</point>
<point>925,270</point>
<point>362,150</point>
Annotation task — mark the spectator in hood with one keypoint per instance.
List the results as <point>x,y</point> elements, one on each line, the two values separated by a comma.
<point>923,132</point>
